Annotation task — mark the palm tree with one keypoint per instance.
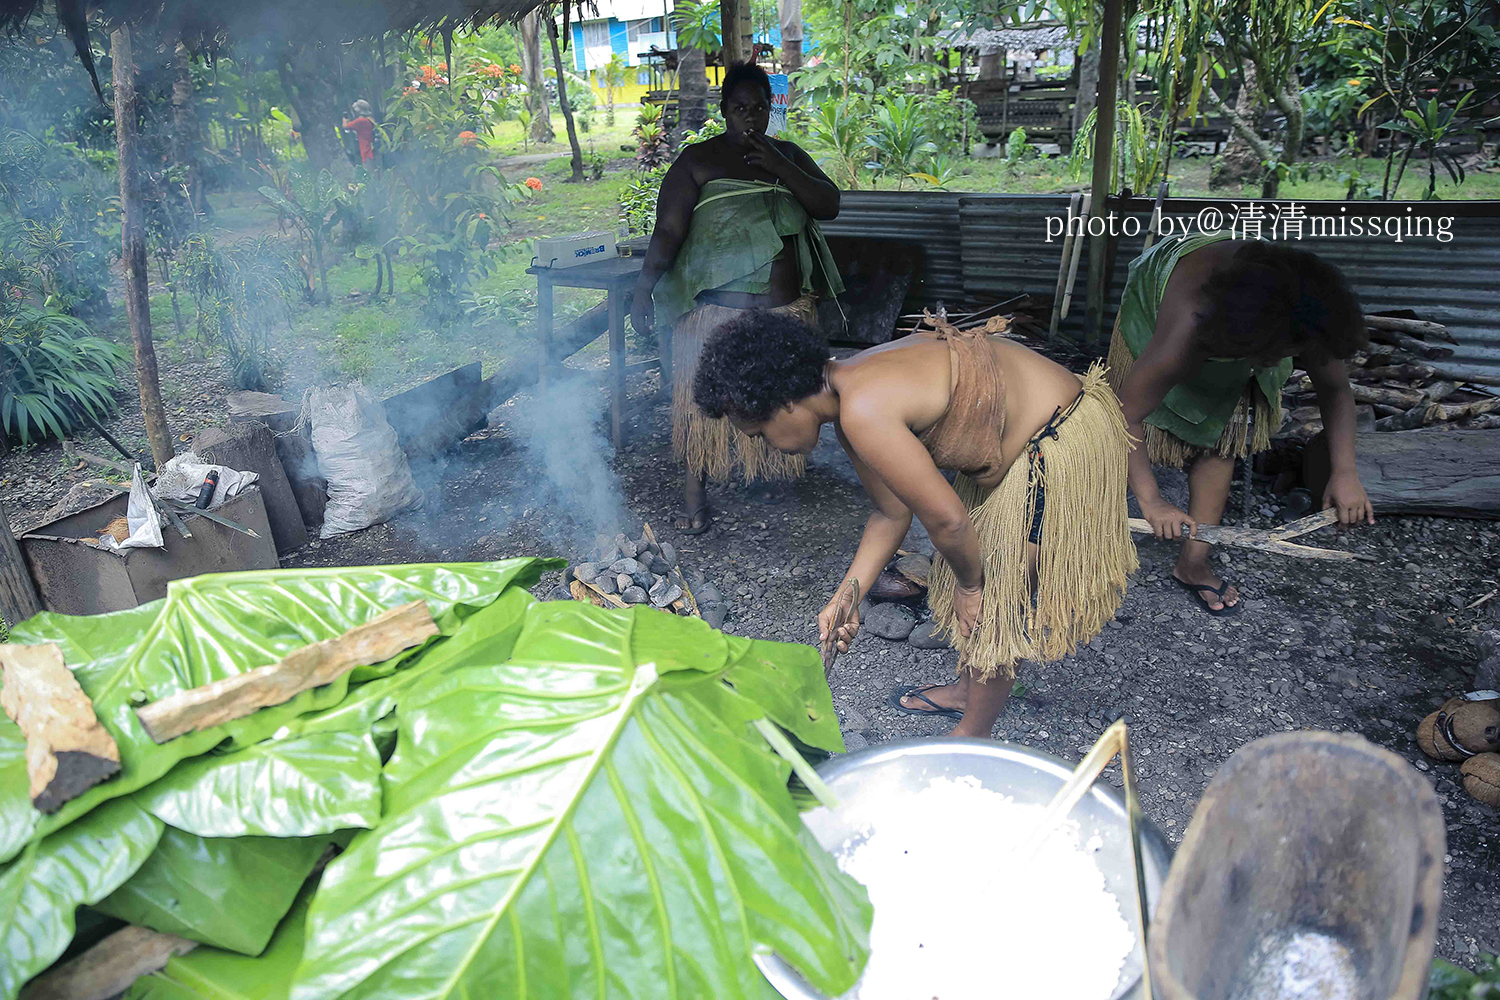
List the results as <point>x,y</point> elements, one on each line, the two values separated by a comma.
<point>612,75</point>
<point>697,35</point>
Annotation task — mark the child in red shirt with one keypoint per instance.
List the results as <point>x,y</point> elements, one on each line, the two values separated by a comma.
<point>363,126</point>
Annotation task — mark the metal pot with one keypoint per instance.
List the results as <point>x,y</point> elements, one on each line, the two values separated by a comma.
<point>1026,775</point>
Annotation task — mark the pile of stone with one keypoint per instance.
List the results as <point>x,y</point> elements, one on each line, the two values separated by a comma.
<point>644,570</point>
<point>895,608</point>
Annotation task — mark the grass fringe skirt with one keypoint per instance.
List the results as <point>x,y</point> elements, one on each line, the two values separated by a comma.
<point>713,447</point>
<point>1239,440</point>
<point>1086,550</point>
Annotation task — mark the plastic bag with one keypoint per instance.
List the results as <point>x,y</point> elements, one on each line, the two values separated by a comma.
<point>369,480</point>
<point>182,478</point>
<point>142,517</point>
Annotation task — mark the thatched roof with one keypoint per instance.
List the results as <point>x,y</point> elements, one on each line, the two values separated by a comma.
<point>1051,36</point>
<point>209,23</point>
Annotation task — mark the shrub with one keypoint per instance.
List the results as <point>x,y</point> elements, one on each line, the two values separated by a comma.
<point>241,290</point>
<point>53,372</point>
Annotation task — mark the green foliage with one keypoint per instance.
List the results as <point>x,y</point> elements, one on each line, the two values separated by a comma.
<point>1449,982</point>
<point>1137,153</point>
<point>1428,126</point>
<point>951,121</point>
<point>654,146</point>
<point>52,371</point>
<point>839,131</point>
<point>697,25</point>
<point>1017,148</point>
<point>638,200</point>
<point>612,75</point>
<point>514,308</point>
<point>242,290</point>
<point>899,138</point>
<point>868,46</point>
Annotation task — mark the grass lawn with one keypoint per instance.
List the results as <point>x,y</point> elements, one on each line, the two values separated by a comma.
<point>389,347</point>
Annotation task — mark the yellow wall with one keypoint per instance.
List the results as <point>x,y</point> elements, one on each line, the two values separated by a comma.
<point>632,92</point>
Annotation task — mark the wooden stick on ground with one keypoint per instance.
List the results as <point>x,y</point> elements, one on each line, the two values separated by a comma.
<point>1415,327</point>
<point>109,967</point>
<point>1273,541</point>
<point>1410,343</point>
<point>236,697</point>
<point>67,750</point>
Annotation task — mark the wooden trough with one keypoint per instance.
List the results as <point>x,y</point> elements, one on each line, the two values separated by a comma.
<point>1313,867</point>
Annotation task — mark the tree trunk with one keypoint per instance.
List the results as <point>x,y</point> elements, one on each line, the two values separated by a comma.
<point>791,42</point>
<point>1088,86</point>
<point>562,102</point>
<point>536,86</point>
<point>133,249</point>
<point>729,21</point>
<point>18,600</point>
<point>1288,98</point>
<point>692,96</point>
<point>308,80</point>
<point>1243,158</point>
<point>186,139</point>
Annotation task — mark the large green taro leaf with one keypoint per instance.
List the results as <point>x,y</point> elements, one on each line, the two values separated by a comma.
<point>293,787</point>
<point>213,974</point>
<point>216,626</point>
<point>41,890</point>
<point>229,892</point>
<point>593,816</point>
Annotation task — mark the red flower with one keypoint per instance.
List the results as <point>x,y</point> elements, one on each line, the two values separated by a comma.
<point>534,183</point>
<point>483,216</point>
<point>468,137</point>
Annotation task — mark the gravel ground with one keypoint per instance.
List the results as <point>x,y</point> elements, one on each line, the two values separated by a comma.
<point>1367,648</point>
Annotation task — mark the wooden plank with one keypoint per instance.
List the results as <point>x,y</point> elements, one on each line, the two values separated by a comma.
<point>109,967</point>
<point>236,697</point>
<point>1453,473</point>
<point>67,750</point>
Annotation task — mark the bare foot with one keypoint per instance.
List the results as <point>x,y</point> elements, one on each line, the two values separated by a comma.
<point>942,695</point>
<point>1201,575</point>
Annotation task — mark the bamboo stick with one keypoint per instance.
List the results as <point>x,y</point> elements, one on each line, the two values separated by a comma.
<point>1074,201</point>
<point>1088,204</point>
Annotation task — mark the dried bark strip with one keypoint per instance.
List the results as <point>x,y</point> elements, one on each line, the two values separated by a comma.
<point>309,667</point>
<point>67,750</point>
<point>109,967</point>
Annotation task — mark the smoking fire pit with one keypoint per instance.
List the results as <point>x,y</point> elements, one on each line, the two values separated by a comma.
<point>623,571</point>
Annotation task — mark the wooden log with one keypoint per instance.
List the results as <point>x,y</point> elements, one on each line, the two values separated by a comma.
<point>1458,411</point>
<point>236,697</point>
<point>1439,390</point>
<point>1390,397</point>
<point>67,750</point>
<point>608,600</point>
<point>1418,416</point>
<point>434,416</point>
<point>250,446</point>
<point>1414,327</point>
<point>267,408</point>
<point>300,464</point>
<point>586,594</point>
<point>1274,541</point>
<point>1405,373</point>
<point>1452,472</point>
<point>109,967</point>
<point>18,600</point>
<point>1412,344</point>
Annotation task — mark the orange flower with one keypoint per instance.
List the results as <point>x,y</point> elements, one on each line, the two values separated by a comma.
<point>494,71</point>
<point>442,67</point>
<point>468,137</point>
<point>483,216</point>
<point>515,70</point>
<point>534,183</point>
<point>1356,82</point>
<point>408,90</point>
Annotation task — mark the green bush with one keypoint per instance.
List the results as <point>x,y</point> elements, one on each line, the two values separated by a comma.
<point>242,290</point>
<point>53,372</point>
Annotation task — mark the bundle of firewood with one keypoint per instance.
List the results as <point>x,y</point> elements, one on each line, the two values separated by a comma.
<point>1401,382</point>
<point>1021,316</point>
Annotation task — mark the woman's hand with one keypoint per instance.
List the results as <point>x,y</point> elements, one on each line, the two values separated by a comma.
<point>642,313</point>
<point>847,632</point>
<point>1167,520</point>
<point>764,154</point>
<point>1346,494</point>
<point>968,608</point>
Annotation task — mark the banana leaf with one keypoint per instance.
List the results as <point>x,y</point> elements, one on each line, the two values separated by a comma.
<point>41,890</point>
<point>296,787</point>
<point>229,892</point>
<point>591,813</point>
<point>216,626</point>
<point>214,974</point>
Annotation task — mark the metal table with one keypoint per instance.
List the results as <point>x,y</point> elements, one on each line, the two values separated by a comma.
<point>616,277</point>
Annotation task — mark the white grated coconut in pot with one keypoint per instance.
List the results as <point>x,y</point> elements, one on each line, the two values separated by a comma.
<point>1049,928</point>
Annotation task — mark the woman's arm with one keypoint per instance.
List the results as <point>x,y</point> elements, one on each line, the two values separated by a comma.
<point>1345,493</point>
<point>808,184</point>
<point>674,217</point>
<point>1166,361</point>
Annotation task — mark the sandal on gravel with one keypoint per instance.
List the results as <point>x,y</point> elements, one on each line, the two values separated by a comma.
<point>694,527</point>
<point>1197,591</point>
<point>902,690</point>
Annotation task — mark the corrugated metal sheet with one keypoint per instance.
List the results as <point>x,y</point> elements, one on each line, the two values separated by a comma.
<point>986,247</point>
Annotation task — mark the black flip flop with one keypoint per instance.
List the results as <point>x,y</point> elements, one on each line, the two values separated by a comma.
<point>1197,592</point>
<point>708,521</point>
<point>902,690</point>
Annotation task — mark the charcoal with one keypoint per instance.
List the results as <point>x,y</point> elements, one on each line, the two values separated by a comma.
<point>660,566</point>
<point>634,595</point>
<point>714,614</point>
<point>708,594</point>
<point>623,581</point>
<point>627,566</point>
<point>586,572</point>
<point>607,583</point>
<point>669,553</point>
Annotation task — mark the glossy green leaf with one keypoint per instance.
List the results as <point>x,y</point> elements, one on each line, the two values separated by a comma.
<point>43,887</point>
<point>216,626</point>
<point>215,974</point>
<point>278,788</point>
<point>228,892</point>
<point>786,680</point>
<point>592,815</point>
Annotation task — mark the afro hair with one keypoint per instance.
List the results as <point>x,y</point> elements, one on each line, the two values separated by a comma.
<point>743,72</point>
<point>757,363</point>
<point>1269,299</point>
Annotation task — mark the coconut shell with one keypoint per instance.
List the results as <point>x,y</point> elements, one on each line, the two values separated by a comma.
<point>1433,743</point>
<point>1482,778</point>
<point>119,528</point>
<point>1475,724</point>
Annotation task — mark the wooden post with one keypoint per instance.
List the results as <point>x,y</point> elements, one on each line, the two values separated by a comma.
<point>617,367</point>
<point>729,32</point>
<point>18,600</point>
<point>562,102</point>
<point>1104,135</point>
<point>133,250</point>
